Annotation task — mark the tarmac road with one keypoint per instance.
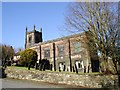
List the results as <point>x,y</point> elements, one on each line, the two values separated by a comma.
<point>15,83</point>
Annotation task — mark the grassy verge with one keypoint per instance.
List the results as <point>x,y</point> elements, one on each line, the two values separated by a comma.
<point>64,72</point>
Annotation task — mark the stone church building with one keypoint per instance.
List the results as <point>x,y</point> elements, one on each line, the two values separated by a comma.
<point>63,53</point>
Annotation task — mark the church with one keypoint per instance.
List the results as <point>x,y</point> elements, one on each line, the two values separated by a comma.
<point>66,53</point>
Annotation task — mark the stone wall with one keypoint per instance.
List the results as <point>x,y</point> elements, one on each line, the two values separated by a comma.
<point>94,81</point>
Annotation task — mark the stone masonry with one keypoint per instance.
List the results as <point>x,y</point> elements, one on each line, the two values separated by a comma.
<point>85,80</point>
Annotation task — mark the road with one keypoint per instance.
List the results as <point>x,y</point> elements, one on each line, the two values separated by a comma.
<point>15,83</point>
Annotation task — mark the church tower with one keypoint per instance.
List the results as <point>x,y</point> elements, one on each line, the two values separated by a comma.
<point>33,37</point>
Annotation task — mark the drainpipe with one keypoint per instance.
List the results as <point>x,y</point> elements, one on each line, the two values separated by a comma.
<point>70,56</point>
<point>40,53</point>
<point>54,56</point>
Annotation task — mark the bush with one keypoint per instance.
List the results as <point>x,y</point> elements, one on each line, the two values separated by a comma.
<point>28,57</point>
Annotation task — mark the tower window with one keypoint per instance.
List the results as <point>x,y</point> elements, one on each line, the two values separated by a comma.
<point>30,39</point>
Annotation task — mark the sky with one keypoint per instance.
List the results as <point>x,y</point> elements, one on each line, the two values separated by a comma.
<point>17,15</point>
<point>50,16</point>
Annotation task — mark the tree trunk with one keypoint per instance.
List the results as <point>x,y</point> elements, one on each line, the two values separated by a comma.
<point>36,66</point>
<point>106,66</point>
<point>29,65</point>
<point>119,80</point>
<point>119,74</point>
<point>40,67</point>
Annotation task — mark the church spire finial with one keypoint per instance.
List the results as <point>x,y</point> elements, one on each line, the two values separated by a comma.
<point>40,29</point>
<point>26,29</point>
<point>34,27</point>
<point>26,38</point>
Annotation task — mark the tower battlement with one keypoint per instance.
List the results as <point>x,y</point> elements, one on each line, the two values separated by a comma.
<point>32,37</point>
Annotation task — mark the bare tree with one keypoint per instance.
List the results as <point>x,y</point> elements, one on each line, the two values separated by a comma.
<point>101,20</point>
<point>7,53</point>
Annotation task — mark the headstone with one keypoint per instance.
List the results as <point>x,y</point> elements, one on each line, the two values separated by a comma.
<point>64,68</point>
<point>44,67</point>
<point>40,67</point>
<point>59,69</point>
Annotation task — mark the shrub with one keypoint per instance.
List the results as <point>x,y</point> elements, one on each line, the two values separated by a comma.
<point>28,57</point>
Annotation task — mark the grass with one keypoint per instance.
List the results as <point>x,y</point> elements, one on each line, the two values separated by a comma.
<point>64,72</point>
<point>23,68</point>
